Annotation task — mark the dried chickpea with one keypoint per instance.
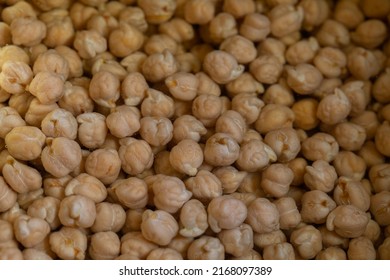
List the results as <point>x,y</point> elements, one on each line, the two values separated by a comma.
<point>304,78</point>
<point>104,164</point>
<point>9,118</point>
<point>35,254</point>
<point>92,129</point>
<point>158,226</point>
<point>17,10</point>
<point>77,211</point>
<point>164,254</point>
<point>276,180</point>
<point>131,192</point>
<point>8,196</point>
<point>133,89</point>
<point>88,186</point>
<point>15,76</point>
<point>362,63</point>
<point>380,207</point>
<point>187,127</point>
<point>348,13</point>
<point>320,146</point>
<point>332,253</point>
<point>320,176</point>
<point>361,248</point>
<point>205,186</point>
<point>25,142</point>
<point>316,205</point>
<point>383,250</point>
<point>245,83</point>
<point>307,240</point>
<point>305,113</point>
<point>315,13</point>
<point>368,120</point>
<point>13,53</point>
<point>298,167</point>
<point>60,123</point>
<point>5,34</point>
<point>266,68</point>
<point>199,12</point>
<point>133,62</point>
<point>182,85</point>
<point>379,176</point>
<point>302,51</point>
<point>76,100</point>
<point>89,43</point>
<point>104,246</point>
<point>157,12</point>
<point>285,19</point>
<point>350,165</point>
<point>369,34</point>
<point>48,87</point>
<point>103,24</point>
<point>333,34</point>
<point>157,104</point>
<point>370,154</point>
<point>221,150</point>
<point>109,217</point>
<point>69,243</point>
<point>274,116</point>
<point>255,27</point>
<point>123,121</point>
<point>157,131</point>
<point>186,157</point>
<point>237,241</point>
<point>284,142</point>
<point>206,248</point>
<point>159,66</point>
<point>178,29</point>
<point>279,251</point>
<point>104,89</point>
<point>51,61</point>
<point>230,178</point>
<point>29,231</point>
<point>46,208</point>
<point>279,93</point>
<point>347,221</point>
<point>240,47</point>
<point>207,85</point>
<point>136,246</point>
<point>288,211</point>
<point>263,216</point>
<point>381,138</point>
<point>136,155</point>
<point>193,219</point>
<point>125,40</point>
<point>248,105</point>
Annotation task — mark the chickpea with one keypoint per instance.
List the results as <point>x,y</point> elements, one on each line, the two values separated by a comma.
<point>266,68</point>
<point>320,176</point>
<point>199,12</point>
<point>237,241</point>
<point>347,221</point>
<point>157,131</point>
<point>92,130</point>
<point>76,100</point>
<point>248,105</point>
<point>350,165</point>
<point>320,146</point>
<point>136,155</point>
<point>302,51</point>
<point>159,66</point>
<point>332,253</point>
<point>158,226</point>
<point>284,142</point>
<point>255,27</point>
<point>131,192</point>
<point>136,246</point>
<point>29,231</point>
<point>104,89</point>
<point>109,217</point>
<point>15,76</point>
<point>69,243</point>
<point>380,207</point>
<point>182,86</point>
<point>362,63</point>
<point>206,248</point>
<point>125,40</point>
<point>307,241</point>
<point>102,24</point>
<point>379,176</point>
<point>193,219</point>
<point>383,250</point>
<point>77,210</point>
<point>188,127</point>
<point>221,150</point>
<point>104,164</point>
<point>34,254</point>
<point>8,196</point>
<point>51,61</point>
<point>274,116</point>
<point>279,251</point>
<point>60,123</point>
<point>316,205</point>
<point>178,29</point>
<point>164,254</point>
<point>263,216</point>
<point>369,34</point>
<point>230,178</point>
<point>9,118</point>
<point>288,211</point>
<point>25,142</point>
<point>381,137</point>
<point>348,13</point>
<point>285,19</point>
<point>333,34</point>
<point>304,78</point>
<point>205,186</point>
<point>157,104</point>
<point>241,48</point>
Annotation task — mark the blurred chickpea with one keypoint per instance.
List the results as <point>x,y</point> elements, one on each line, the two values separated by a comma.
<point>279,251</point>
<point>383,250</point>
<point>104,246</point>
<point>60,123</point>
<point>263,216</point>
<point>320,176</point>
<point>136,245</point>
<point>69,243</point>
<point>104,89</point>
<point>158,226</point>
<point>8,196</point>
<point>206,248</point>
<point>274,116</point>
<point>266,68</point>
<point>125,40</point>
<point>29,231</point>
<point>157,104</point>
<point>182,86</point>
<point>348,13</point>
<point>193,219</point>
<point>222,26</point>
<point>288,211</point>
<point>207,85</point>
<point>76,100</point>
<point>17,10</point>
<point>379,175</point>
<point>305,113</point>
<point>205,186</point>
<point>178,29</point>
<point>333,34</point>
<point>273,182</point>
<point>25,142</point>
<point>362,63</point>
<point>361,248</point>
<point>5,34</point>
<point>9,118</point>
<point>164,254</point>
<point>350,165</point>
<point>240,47</point>
<point>380,207</point>
<point>331,253</point>
<point>199,12</point>
<point>109,217</point>
<point>237,241</point>
<point>255,27</point>
<point>369,34</point>
<point>104,164</point>
<point>13,53</point>
<point>307,241</point>
<point>248,105</point>
<point>133,89</point>
<point>192,160</point>
<point>381,138</point>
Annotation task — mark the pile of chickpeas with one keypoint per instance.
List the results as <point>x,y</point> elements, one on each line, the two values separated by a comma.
<point>195,129</point>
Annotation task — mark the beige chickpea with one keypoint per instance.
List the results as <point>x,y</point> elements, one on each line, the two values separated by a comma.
<point>73,60</point>
<point>109,217</point>
<point>103,24</point>
<point>285,19</point>
<point>60,123</point>
<point>241,48</point>
<point>178,29</point>
<point>263,216</point>
<point>187,127</point>
<point>274,116</point>
<point>279,251</point>
<point>55,187</point>
<point>221,150</point>
<point>11,253</point>
<point>37,111</point>
<point>370,154</point>
<point>157,12</point>
<point>25,142</point>
<point>163,166</point>
<point>22,26</point>
<point>381,138</point>
<point>131,192</point>
<point>316,206</point>
<point>332,239</point>
<point>92,129</point>
<point>133,220</point>
<point>21,177</point>
<point>333,34</point>
<point>9,118</point>
<point>380,87</point>
<point>207,85</point>
<point>157,43</point>
<point>76,100</point>
<point>15,76</point>
<point>362,63</point>
<point>331,62</point>
<point>348,13</point>
<point>136,155</point>
<point>104,246</point>
<point>104,164</point>
<point>332,253</point>
<point>266,68</point>
<point>276,180</point>
<point>207,108</point>
<point>69,243</point>
<point>35,254</point>
<point>8,196</point>
<point>158,226</point>
<point>133,62</point>
<point>170,193</point>
<point>369,34</point>
<point>350,165</point>
<point>350,136</point>
<point>180,244</point>
<point>274,48</point>
<point>29,231</point>
<point>123,121</point>
<point>279,93</point>
<point>347,221</point>
<point>164,254</point>
<point>225,212</point>
<point>307,241</point>
<point>304,78</point>
<point>380,207</point>
<point>320,146</point>
<point>182,86</point>
<point>248,105</point>
<point>159,66</point>
<point>17,10</point>
<point>80,14</point>
<point>370,8</point>
<point>305,113</point>
<point>320,176</point>
<point>157,104</point>
<point>193,219</point>
<point>379,175</point>
<point>61,156</point>
<point>125,40</point>
<point>262,240</point>
<point>383,250</point>
<point>298,166</point>
<point>89,43</point>
<point>283,142</point>
<point>302,51</point>
<point>206,248</point>
<point>199,12</point>
<point>133,88</point>
<point>104,89</point>
<point>288,211</point>
<point>354,90</point>
<point>46,208</point>
<point>239,9</point>
<point>237,241</point>
<point>25,199</point>
<point>51,61</point>
<point>5,34</point>
<point>77,211</point>
<point>222,66</point>
<point>245,83</point>
<point>88,186</point>
<point>230,178</point>
<point>48,87</point>
<point>255,27</point>
<point>186,157</point>
<point>187,62</point>
<point>13,53</point>
<point>205,186</point>
<point>59,28</point>
<point>316,12</point>
<point>135,245</point>
<point>361,248</point>
<point>157,131</point>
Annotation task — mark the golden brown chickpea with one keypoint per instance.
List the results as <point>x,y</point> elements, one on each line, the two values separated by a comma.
<point>159,66</point>
<point>383,250</point>
<point>348,13</point>
<point>178,29</point>
<point>320,146</point>
<point>369,34</point>
<point>362,63</point>
<point>157,131</point>
<point>274,116</point>
<point>304,78</point>
<point>381,138</point>
<point>187,127</point>
<point>164,254</point>
<point>289,214</point>
<point>77,211</point>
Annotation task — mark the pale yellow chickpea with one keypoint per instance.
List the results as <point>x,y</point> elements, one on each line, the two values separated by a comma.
<point>284,143</point>
<point>316,205</point>
<point>48,87</point>
<point>9,118</point>
<point>25,142</point>
<point>178,29</point>
<point>222,66</point>
<point>104,246</point>
<point>159,226</point>
<point>157,104</point>
<point>380,207</point>
<point>332,253</point>
<point>193,219</point>
<point>109,217</point>
<point>266,68</point>
<point>188,127</point>
<point>17,10</point>
<point>136,155</point>
<point>60,123</point>
<point>182,85</point>
<point>347,221</point>
<point>263,216</point>
<point>76,100</point>
<point>206,248</point>
<point>350,165</point>
<point>104,89</point>
<point>159,66</point>
<point>8,196</point>
<point>89,43</point>
<point>157,12</point>
<point>205,186</point>
<point>69,243</point>
<point>15,76</point>
<point>221,150</point>
<point>348,13</point>
<point>368,34</point>
<point>274,116</point>
<point>279,251</point>
<point>30,231</point>
<point>51,61</point>
<point>104,164</point>
<point>125,40</point>
<point>333,34</point>
<point>320,146</point>
<point>170,193</point>
<point>92,129</point>
<point>199,11</point>
<point>22,26</point>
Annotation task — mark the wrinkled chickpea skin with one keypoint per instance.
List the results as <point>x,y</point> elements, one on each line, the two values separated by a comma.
<point>205,129</point>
